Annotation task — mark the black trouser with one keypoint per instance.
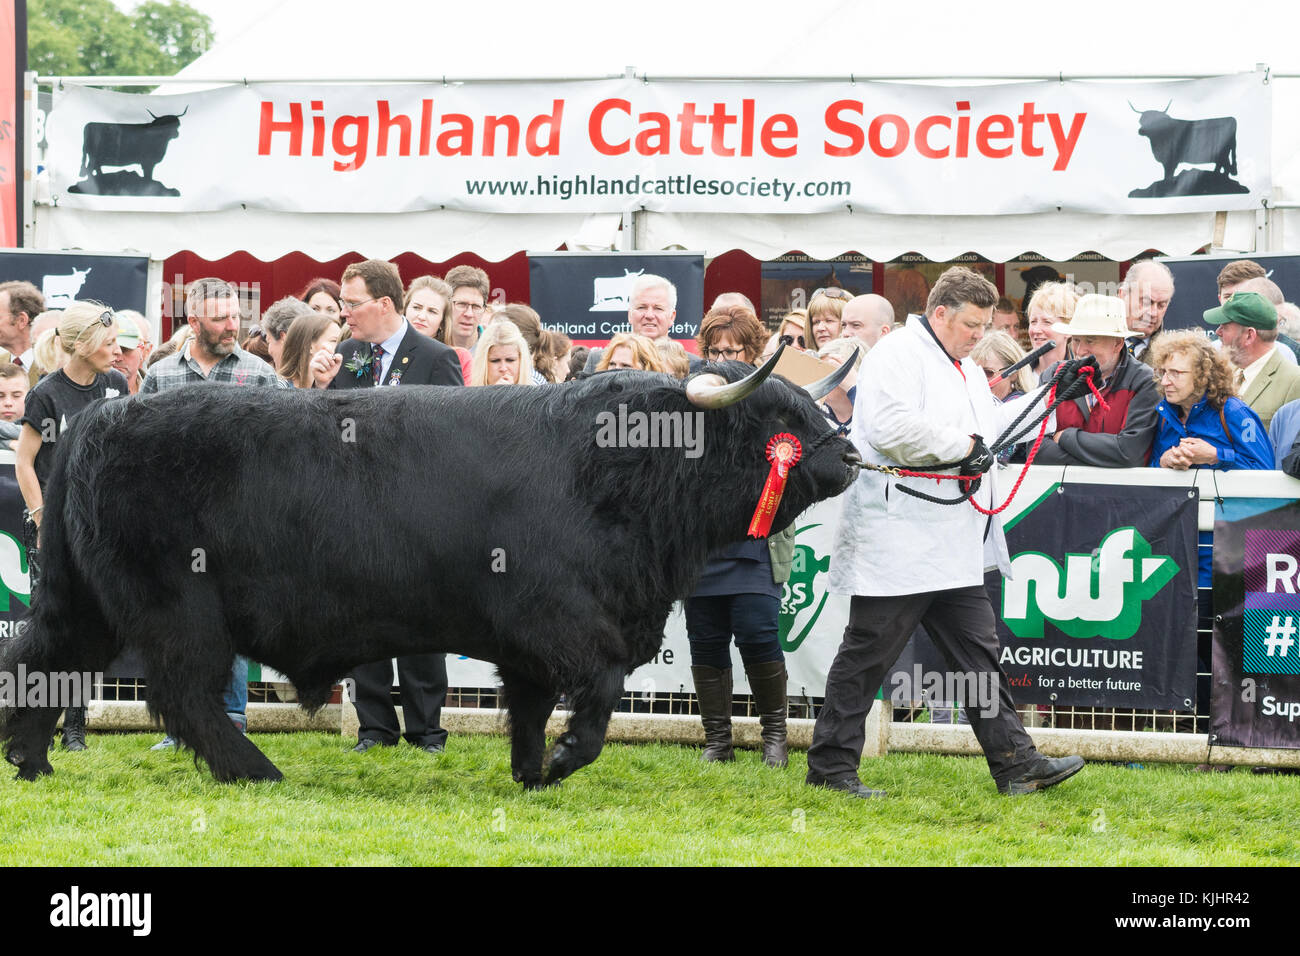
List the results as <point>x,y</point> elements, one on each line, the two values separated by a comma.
<point>423,682</point>
<point>961,623</point>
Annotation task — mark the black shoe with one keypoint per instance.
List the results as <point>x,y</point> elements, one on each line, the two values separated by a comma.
<point>74,728</point>
<point>365,743</point>
<point>850,785</point>
<point>1043,773</point>
<point>432,748</point>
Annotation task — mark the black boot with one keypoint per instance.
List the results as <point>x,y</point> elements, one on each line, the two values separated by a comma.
<point>768,682</point>
<point>74,728</point>
<point>713,691</point>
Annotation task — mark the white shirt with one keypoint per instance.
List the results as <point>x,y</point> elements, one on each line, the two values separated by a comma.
<point>914,408</point>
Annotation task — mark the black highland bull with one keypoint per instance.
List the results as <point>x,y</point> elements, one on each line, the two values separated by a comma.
<point>321,553</point>
<point>128,144</point>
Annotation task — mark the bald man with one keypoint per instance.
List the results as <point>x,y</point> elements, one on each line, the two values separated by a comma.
<point>867,317</point>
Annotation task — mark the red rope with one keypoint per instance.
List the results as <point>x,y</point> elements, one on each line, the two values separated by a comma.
<point>1029,460</point>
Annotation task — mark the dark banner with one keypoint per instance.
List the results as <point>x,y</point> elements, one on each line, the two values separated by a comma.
<point>1255,699</point>
<point>586,296</point>
<point>1196,281</point>
<point>121,282</point>
<point>790,282</point>
<point>1100,609</point>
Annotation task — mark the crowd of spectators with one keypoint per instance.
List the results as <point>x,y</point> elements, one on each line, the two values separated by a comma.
<point>1226,395</point>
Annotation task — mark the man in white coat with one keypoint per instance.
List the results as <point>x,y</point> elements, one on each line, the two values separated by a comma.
<point>922,402</point>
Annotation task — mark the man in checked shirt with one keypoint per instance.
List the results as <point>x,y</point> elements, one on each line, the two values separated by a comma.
<point>213,355</point>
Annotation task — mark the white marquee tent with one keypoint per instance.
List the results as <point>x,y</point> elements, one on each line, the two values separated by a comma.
<point>395,41</point>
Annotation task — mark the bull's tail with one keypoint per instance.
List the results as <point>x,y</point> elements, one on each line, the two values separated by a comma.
<point>65,635</point>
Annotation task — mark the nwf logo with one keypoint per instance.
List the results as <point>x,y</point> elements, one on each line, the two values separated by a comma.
<point>1096,595</point>
<point>126,144</point>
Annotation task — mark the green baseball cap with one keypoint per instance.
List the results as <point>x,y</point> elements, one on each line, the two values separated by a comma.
<point>1245,308</point>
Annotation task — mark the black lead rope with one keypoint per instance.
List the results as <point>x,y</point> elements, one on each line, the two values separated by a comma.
<point>1008,438</point>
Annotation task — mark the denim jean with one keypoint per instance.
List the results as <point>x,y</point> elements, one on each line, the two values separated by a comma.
<point>235,701</point>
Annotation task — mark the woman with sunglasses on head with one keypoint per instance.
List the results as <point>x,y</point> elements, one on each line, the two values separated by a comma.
<point>739,594</point>
<point>87,334</point>
<point>825,310</point>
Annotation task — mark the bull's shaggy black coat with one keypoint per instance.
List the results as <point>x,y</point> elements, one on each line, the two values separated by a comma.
<point>314,531</point>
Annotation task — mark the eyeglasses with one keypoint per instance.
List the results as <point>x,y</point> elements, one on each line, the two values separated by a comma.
<point>990,373</point>
<point>729,354</point>
<point>1173,372</point>
<point>350,306</point>
<point>796,340</point>
<point>833,292</point>
<point>471,307</point>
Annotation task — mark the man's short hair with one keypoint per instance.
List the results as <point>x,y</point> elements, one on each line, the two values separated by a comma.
<point>208,288</point>
<point>1004,305</point>
<point>1265,287</point>
<point>1238,271</point>
<point>649,281</point>
<point>728,299</point>
<point>468,277</point>
<point>960,286</point>
<point>24,297</point>
<point>1136,269</point>
<point>381,278</point>
<point>279,316</point>
<point>10,370</point>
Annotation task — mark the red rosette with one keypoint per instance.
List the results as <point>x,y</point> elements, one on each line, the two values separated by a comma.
<point>783,451</point>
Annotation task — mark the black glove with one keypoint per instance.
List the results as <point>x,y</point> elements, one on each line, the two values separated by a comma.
<point>978,461</point>
<point>1071,381</point>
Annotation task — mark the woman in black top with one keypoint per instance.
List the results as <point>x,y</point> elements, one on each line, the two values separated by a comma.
<point>87,334</point>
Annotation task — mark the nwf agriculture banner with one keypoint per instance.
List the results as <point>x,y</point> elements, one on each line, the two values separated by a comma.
<point>1255,699</point>
<point>1101,606</point>
<point>678,146</point>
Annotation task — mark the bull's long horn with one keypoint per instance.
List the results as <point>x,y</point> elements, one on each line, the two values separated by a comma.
<point>182,112</point>
<point>824,386</point>
<point>1132,107</point>
<point>150,112</point>
<point>1169,104</point>
<point>714,391</point>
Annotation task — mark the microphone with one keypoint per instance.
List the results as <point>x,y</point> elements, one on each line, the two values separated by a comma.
<point>1033,356</point>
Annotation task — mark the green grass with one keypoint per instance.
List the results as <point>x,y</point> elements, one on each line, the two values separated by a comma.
<point>120,804</point>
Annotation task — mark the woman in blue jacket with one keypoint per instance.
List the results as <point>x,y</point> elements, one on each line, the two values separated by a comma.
<point>1202,422</point>
<point>1203,425</point>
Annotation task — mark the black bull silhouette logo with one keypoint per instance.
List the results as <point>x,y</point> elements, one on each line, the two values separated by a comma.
<point>1175,141</point>
<point>128,144</point>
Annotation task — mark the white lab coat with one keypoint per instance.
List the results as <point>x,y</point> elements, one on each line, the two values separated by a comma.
<point>913,408</point>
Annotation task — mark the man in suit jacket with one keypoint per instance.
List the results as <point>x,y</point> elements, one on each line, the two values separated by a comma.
<point>1248,330</point>
<point>20,304</point>
<point>385,350</point>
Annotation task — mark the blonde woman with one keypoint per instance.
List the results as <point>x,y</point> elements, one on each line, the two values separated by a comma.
<point>825,311</point>
<point>87,335</point>
<point>995,352</point>
<point>1052,302</point>
<point>629,350</point>
<point>501,357</point>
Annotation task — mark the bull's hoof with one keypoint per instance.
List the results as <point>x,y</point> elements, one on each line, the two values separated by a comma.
<point>564,759</point>
<point>531,779</point>
<point>29,768</point>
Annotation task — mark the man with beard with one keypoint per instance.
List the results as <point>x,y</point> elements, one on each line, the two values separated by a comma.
<point>213,355</point>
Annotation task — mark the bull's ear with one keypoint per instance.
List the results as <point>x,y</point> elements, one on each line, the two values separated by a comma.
<point>824,386</point>
<point>714,391</point>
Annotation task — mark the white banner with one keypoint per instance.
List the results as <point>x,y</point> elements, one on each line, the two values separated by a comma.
<point>673,146</point>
